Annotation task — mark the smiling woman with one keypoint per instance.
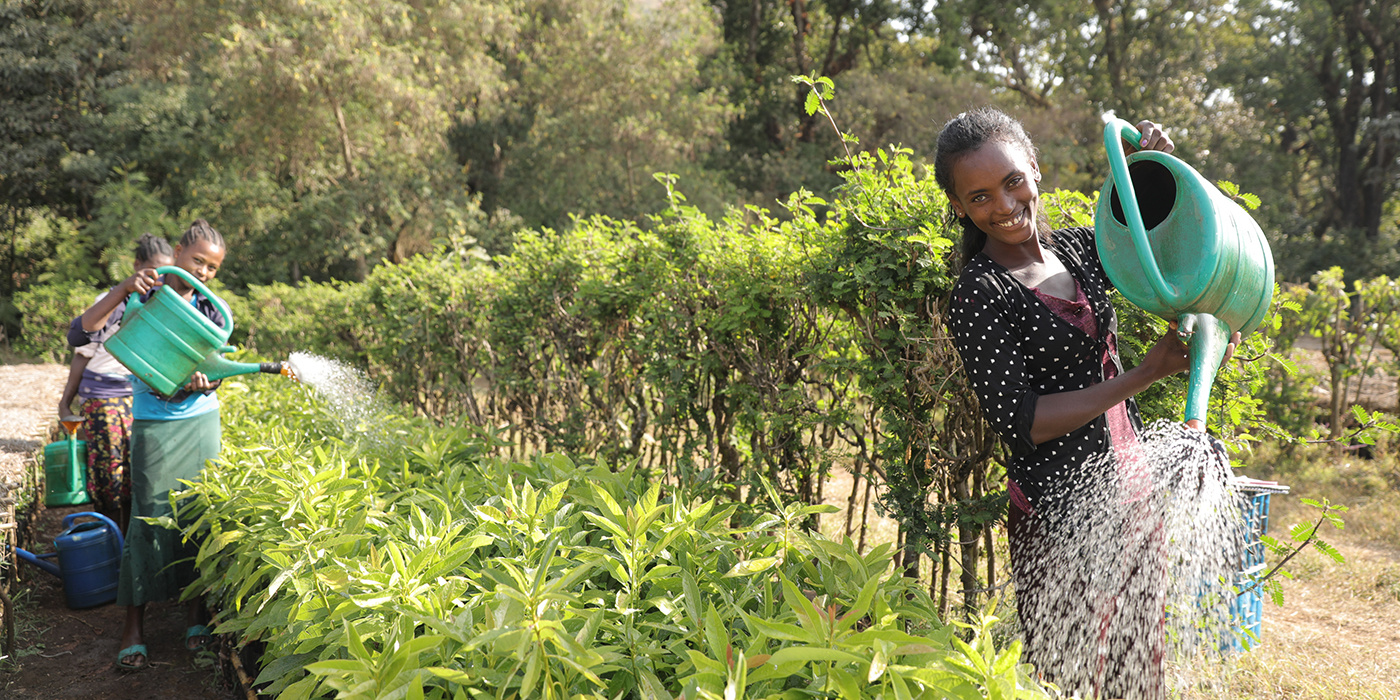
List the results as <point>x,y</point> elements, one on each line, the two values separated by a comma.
<point>998,185</point>
<point>1035,330</point>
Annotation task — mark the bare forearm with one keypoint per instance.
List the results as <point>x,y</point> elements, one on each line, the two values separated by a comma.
<point>1062,413</point>
<point>96,315</point>
<point>70,389</point>
<point>141,282</point>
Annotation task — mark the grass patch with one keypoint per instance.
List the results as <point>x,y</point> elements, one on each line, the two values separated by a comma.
<point>1367,487</point>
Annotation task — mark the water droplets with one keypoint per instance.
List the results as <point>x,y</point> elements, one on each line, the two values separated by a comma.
<point>1129,566</point>
<point>347,395</point>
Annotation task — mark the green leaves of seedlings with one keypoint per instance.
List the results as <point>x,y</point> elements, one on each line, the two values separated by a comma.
<point>447,574</point>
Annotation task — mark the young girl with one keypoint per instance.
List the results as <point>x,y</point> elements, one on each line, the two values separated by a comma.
<point>100,381</point>
<point>1033,325</point>
<point>171,439</point>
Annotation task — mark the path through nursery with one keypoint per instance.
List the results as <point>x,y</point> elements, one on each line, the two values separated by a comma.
<point>1338,635</point>
<point>61,653</point>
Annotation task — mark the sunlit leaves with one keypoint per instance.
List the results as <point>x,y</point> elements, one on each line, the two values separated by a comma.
<point>451,574</point>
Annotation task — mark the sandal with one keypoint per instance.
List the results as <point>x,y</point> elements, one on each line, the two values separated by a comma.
<point>131,652</point>
<point>196,632</point>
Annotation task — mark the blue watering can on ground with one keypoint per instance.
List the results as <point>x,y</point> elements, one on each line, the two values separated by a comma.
<point>1177,247</point>
<point>89,558</point>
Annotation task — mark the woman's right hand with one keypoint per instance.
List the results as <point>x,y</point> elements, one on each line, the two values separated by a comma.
<point>142,282</point>
<point>1168,355</point>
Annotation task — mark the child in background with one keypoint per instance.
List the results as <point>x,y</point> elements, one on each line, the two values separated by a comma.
<point>100,382</point>
<point>171,439</point>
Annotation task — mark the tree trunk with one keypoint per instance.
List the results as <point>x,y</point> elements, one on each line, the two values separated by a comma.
<point>1112,56</point>
<point>1364,157</point>
<point>755,16</point>
<point>799,34</point>
<point>345,148</point>
<point>969,541</point>
<point>1336,401</point>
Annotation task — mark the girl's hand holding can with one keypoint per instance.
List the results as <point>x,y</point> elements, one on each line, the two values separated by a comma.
<point>1153,138</point>
<point>199,382</point>
<point>142,282</point>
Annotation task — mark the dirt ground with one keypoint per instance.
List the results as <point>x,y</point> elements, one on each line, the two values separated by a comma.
<point>1337,634</point>
<point>62,653</point>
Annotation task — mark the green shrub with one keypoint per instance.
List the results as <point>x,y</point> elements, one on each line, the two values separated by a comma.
<point>278,319</point>
<point>47,310</point>
<point>420,328</point>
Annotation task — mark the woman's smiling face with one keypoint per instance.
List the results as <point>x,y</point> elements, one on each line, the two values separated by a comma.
<point>996,185</point>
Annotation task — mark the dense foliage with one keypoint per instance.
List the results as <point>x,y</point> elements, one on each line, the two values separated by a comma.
<point>726,353</point>
<point>324,136</point>
<point>723,353</point>
<point>430,569</point>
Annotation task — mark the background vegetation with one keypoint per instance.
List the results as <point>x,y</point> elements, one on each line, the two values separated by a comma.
<point>323,137</point>
<point>406,561</point>
<point>460,198</point>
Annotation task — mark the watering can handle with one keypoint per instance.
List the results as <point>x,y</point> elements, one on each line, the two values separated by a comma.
<point>1127,197</point>
<point>199,287</point>
<point>68,522</point>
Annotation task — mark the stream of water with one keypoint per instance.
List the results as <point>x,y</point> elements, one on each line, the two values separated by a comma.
<point>347,394</point>
<point>1136,567</point>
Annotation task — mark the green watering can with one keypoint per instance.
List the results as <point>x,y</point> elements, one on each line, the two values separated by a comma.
<point>1177,247</point>
<point>65,468</point>
<point>166,340</point>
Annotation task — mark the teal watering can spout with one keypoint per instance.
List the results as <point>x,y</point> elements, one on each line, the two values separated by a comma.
<point>216,366</point>
<point>1176,246</point>
<point>1207,340</point>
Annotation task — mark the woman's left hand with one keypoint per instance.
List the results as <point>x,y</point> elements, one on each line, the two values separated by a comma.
<point>199,382</point>
<point>1230,349</point>
<point>1167,356</point>
<point>1153,138</point>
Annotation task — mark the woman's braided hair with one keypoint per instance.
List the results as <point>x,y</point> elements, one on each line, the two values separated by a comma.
<point>149,246</point>
<point>200,230</point>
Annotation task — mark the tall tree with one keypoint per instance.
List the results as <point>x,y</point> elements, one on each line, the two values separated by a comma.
<point>334,116</point>
<point>1138,57</point>
<point>599,95</point>
<point>1322,80</point>
<point>56,58</point>
<point>774,144</point>
<point>1359,76</point>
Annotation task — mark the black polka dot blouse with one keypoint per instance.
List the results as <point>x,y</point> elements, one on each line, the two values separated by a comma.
<point>1015,349</point>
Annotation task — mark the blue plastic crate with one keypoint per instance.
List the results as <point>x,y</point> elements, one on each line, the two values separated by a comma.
<point>1256,517</point>
<point>1247,610</point>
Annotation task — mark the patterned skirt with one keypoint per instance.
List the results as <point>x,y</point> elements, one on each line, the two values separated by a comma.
<point>107,429</point>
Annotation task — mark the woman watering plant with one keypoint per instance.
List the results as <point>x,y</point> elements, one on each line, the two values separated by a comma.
<point>100,381</point>
<point>1032,322</point>
<point>171,439</point>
